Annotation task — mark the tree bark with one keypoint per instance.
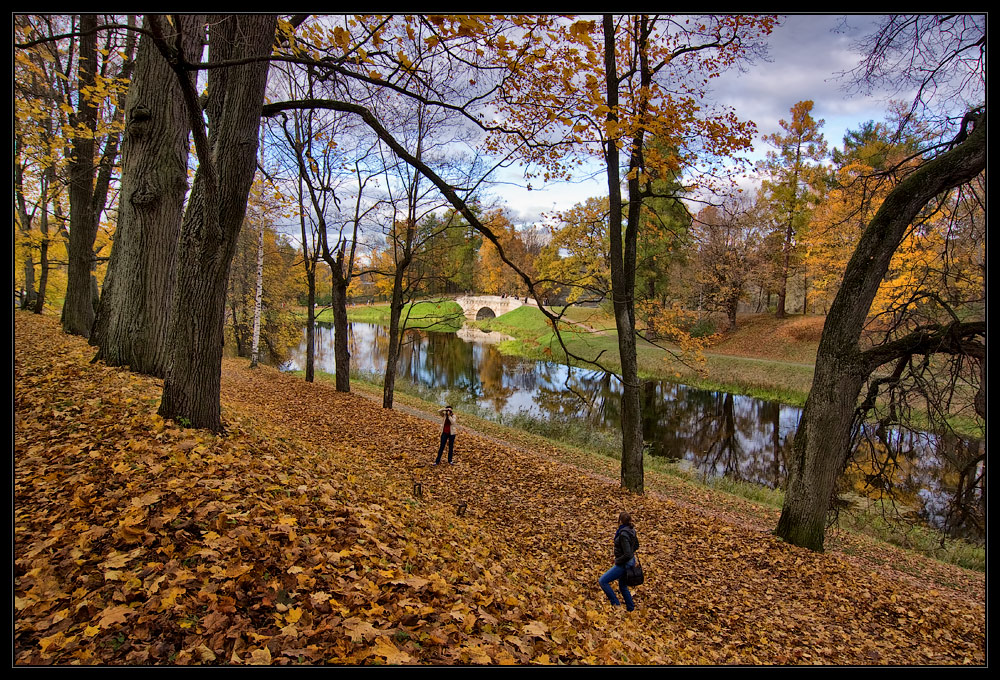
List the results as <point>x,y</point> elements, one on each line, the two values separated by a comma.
<point>43,248</point>
<point>78,309</point>
<point>823,439</point>
<point>395,335</point>
<point>25,218</point>
<point>341,351</point>
<point>258,295</point>
<point>134,313</point>
<point>215,215</point>
<point>311,325</point>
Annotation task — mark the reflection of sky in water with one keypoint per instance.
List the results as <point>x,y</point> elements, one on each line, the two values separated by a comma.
<point>716,433</point>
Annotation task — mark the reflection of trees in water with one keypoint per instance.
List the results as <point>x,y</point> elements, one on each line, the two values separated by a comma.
<point>323,352</point>
<point>491,376</point>
<point>437,361</point>
<point>721,434</point>
<point>589,396</point>
<point>368,345</point>
<point>942,479</point>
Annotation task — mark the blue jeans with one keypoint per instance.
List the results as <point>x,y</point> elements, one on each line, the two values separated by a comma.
<point>616,573</point>
<point>446,439</point>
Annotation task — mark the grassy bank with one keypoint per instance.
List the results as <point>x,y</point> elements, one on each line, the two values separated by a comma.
<point>444,315</point>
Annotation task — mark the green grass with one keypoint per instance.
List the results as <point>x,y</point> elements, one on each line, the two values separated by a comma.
<point>525,323</point>
<point>880,520</point>
<point>442,316</point>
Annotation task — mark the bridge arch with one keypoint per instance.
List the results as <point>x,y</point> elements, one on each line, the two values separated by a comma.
<point>479,307</point>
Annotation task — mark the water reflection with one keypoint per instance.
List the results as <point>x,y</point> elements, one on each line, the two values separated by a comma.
<point>715,433</point>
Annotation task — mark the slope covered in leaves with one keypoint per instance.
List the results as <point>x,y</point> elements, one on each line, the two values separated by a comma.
<point>316,531</point>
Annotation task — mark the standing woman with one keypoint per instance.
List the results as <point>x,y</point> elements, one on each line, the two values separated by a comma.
<point>626,543</point>
<point>448,431</point>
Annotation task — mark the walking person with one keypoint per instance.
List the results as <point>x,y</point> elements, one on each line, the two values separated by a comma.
<point>448,431</point>
<point>626,543</point>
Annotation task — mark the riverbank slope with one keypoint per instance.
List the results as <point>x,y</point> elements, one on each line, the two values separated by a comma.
<point>315,530</point>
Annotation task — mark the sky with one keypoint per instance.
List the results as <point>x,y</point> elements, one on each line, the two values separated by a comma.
<point>806,54</point>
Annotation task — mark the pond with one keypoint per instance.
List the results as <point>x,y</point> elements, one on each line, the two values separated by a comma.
<point>712,433</point>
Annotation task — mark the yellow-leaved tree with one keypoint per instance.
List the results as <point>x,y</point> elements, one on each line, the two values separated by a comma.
<point>630,90</point>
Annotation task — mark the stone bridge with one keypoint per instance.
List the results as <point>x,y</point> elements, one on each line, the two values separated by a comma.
<point>479,307</point>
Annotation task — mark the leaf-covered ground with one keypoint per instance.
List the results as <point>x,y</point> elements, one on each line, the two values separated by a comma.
<point>316,531</point>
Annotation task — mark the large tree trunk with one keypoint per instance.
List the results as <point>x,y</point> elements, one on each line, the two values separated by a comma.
<point>78,309</point>
<point>822,442</point>
<point>134,314</point>
<point>214,216</point>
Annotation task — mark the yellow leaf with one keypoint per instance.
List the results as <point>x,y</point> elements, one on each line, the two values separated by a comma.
<point>113,615</point>
<point>359,630</point>
<point>260,657</point>
<point>393,655</point>
<point>47,642</point>
<point>536,628</point>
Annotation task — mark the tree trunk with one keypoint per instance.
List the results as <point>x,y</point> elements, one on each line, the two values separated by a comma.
<point>623,252</point>
<point>43,252</point>
<point>785,264</point>
<point>310,325</point>
<point>25,219</point>
<point>43,264</point>
<point>259,294</point>
<point>822,442</point>
<point>78,309</point>
<point>732,307</point>
<point>819,451</point>
<point>341,351</point>
<point>238,328</point>
<point>392,355</point>
<point>134,314</point>
<point>214,216</point>
<point>805,293</point>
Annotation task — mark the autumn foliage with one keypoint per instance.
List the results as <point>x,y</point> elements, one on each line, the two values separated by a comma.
<point>314,531</point>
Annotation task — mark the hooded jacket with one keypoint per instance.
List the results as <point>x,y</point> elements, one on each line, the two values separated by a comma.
<point>626,543</point>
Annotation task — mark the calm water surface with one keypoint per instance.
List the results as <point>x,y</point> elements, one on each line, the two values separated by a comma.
<point>715,433</point>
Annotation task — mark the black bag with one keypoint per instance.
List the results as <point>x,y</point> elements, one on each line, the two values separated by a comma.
<point>633,573</point>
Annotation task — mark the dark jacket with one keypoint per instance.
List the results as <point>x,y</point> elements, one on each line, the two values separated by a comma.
<point>626,543</point>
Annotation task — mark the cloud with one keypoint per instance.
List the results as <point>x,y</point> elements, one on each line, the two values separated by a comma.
<point>808,55</point>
